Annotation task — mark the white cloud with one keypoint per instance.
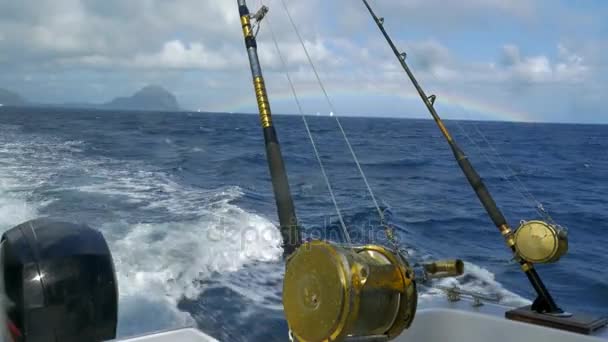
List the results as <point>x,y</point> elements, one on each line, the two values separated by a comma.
<point>196,44</point>
<point>429,55</point>
<point>176,54</point>
<point>444,16</point>
<point>569,67</point>
<point>432,61</point>
<point>321,52</point>
<point>113,29</point>
<point>469,7</point>
<point>572,66</point>
<point>510,54</point>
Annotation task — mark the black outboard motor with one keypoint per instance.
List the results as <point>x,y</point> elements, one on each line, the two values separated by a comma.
<point>59,283</point>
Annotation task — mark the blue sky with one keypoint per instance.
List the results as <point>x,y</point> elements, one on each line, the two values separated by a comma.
<point>485,59</point>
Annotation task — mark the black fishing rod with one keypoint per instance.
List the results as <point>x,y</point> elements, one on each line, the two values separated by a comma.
<point>290,230</point>
<point>544,302</point>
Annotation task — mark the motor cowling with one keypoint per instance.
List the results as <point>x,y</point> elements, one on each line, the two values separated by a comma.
<point>58,282</point>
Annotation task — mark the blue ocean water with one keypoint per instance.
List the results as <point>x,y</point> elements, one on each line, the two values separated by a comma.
<point>185,202</point>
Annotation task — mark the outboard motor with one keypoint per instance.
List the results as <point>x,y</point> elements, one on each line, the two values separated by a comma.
<point>58,283</point>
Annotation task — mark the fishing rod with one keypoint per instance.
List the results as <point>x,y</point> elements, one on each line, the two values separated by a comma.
<point>364,292</point>
<point>544,303</point>
<point>290,230</point>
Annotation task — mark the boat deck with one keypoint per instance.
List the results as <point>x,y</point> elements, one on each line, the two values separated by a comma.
<point>441,320</point>
<point>438,319</point>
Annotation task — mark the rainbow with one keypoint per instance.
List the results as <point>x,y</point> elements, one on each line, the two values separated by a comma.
<point>451,104</point>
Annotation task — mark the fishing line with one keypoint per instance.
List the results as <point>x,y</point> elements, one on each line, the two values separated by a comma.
<point>308,132</point>
<point>537,204</point>
<point>430,102</point>
<point>519,187</point>
<point>333,109</point>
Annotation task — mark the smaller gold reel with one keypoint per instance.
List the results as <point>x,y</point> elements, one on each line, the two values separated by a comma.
<point>540,242</point>
<point>331,292</point>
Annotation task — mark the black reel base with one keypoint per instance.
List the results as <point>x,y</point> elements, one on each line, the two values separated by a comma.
<point>578,323</point>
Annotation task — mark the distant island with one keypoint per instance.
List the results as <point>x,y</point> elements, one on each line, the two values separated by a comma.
<point>152,98</point>
<point>148,98</point>
<point>8,98</point>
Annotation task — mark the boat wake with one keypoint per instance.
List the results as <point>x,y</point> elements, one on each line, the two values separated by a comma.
<point>476,280</point>
<point>161,264</point>
<point>170,242</point>
<point>167,240</point>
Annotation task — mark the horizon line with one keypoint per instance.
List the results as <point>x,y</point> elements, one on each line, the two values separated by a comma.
<point>362,116</point>
<point>402,117</point>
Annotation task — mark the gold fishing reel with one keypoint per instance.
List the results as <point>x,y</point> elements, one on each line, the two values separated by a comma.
<point>540,242</point>
<point>332,292</point>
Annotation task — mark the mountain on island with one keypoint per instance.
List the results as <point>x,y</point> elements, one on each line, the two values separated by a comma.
<point>151,98</point>
<point>148,98</point>
<point>9,98</point>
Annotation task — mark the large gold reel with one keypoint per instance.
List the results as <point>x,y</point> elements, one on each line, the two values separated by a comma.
<point>331,292</point>
<point>540,242</point>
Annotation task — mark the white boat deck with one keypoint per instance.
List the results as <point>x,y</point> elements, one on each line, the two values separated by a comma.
<point>437,320</point>
<point>178,335</point>
<point>442,320</point>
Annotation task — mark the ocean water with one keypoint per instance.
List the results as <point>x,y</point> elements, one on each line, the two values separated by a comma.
<point>186,205</point>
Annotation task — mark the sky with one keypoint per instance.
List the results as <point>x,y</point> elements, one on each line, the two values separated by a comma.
<point>517,60</point>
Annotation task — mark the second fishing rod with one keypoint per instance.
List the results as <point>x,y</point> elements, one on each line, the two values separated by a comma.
<point>544,302</point>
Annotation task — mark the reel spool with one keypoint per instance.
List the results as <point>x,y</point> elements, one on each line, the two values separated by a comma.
<point>540,242</point>
<point>332,292</point>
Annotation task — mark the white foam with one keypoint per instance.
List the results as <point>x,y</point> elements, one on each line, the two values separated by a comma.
<point>28,163</point>
<point>14,207</point>
<point>168,258</point>
<point>479,280</point>
<point>157,263</point>
<point>14,211</point>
